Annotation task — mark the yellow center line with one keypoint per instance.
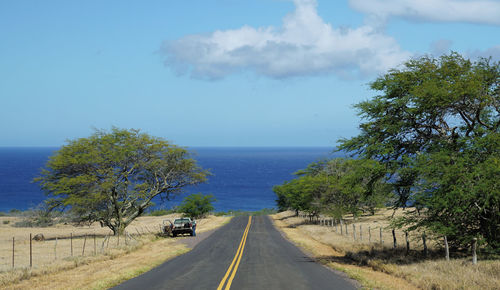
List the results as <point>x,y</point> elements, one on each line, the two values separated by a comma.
<point>237,257</point>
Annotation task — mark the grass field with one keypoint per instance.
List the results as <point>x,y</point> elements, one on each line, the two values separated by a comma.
<point>109,264</point>
<point>380,266</point>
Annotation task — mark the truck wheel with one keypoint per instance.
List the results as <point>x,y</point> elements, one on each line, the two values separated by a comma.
<point>191,234</point>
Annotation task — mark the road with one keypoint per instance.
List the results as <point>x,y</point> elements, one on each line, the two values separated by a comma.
<point>260,258</point>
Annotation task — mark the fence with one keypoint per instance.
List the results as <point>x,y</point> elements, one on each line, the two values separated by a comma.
<point>388,237</point>
<point>36,251</point>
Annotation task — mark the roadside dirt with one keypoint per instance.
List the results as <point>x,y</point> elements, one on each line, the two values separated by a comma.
<point>113,269</point>
<point>326,255</point>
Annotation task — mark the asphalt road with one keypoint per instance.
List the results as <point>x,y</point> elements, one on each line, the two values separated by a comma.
<point>267,261</point>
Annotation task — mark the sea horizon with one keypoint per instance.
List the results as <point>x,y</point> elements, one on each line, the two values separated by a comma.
<point>242,176</point>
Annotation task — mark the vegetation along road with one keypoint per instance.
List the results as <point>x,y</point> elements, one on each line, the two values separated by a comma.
<point>247,253</point>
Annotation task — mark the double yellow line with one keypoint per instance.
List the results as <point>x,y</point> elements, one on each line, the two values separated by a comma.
<point>236,259</point>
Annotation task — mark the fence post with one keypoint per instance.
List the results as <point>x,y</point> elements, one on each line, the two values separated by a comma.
<point>31,252</point>
<point>354,231</point>
<point>394,238</point>
<point>424,241</point>
<point>360,233</point>
<point>71,240</point>
<point>55,250</point>
<point>346,230</point>
<point>13,249</point>
<point>474,247</point>
<point>103,242</point>
<point>381,241</point>
<point>84,242</point>
<point>341,228</point>
<point>407,243</point>
<point>446,249</point>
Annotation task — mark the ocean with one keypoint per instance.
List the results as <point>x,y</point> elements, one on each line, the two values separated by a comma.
<point>242,178</point>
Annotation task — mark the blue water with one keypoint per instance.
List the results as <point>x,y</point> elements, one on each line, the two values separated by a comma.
<point>242,177</point>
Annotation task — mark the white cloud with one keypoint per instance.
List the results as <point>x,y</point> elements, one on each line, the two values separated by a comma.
<point>493,52</point>
<point>440,47</point>
<point>470,11</point>
<point>304,45</point>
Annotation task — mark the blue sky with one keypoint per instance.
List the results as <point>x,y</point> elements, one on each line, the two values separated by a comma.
<point>216,73</point>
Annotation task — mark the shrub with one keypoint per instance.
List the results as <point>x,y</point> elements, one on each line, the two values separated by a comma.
<point>41,216</point>
<point>197,205</point>
<point>14,212</point>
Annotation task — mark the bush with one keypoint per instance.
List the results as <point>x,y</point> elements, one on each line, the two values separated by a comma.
<point>197,205</point>
<point>38,217</point>
<point>6,222</point>
<point>14,212</point>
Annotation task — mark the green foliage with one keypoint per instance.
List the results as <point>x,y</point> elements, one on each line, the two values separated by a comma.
<point>196,205</point>
<point>14,212</point>
<point>435,128</point>
<point>461,193</point>
<point>112,177</point>
<point>6,222</point>
<point>337,187</point>
<point>301,194</point>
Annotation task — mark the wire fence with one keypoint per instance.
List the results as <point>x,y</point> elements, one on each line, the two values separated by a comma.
<point>385,236</point>
<point>32,251</point>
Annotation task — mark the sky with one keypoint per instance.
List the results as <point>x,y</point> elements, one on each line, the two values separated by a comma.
<point>217,72</point>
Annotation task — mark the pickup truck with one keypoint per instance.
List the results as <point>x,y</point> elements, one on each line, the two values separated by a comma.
<point>182,226</point>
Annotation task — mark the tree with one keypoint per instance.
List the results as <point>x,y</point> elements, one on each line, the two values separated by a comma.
<point>434,114</point>
<point>428,105</point>
<point>301,194</point>
<point>354,186</point>
<point>197,205</point>
<point>336,186</point>
<point>461,193</point>
<point>113,177</point>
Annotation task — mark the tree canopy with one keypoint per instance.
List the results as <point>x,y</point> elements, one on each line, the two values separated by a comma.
<point>113,177</point>
<point>196,205</point>
<point>337,186</point>
<point>435,127</point>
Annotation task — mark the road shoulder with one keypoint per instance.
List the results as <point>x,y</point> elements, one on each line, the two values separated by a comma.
<point>326,255</point>
<point>113,270</point>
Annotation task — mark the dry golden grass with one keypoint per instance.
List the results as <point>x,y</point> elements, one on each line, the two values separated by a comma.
<point>378,265</point>
<point>109,267</point>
